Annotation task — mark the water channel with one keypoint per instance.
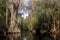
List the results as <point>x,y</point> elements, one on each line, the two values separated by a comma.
<point>26,35</point>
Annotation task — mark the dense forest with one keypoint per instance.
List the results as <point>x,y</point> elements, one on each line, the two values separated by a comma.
<point>43,21</point>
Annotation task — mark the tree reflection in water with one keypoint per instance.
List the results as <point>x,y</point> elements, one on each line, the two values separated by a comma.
<point>28,36</point>
<point>13,36</point>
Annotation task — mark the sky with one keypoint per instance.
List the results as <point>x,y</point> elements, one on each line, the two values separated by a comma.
<point>25,11</point>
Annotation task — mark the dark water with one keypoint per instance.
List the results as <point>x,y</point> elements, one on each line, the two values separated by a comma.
<point>19,36</point>
<point>25,36</point>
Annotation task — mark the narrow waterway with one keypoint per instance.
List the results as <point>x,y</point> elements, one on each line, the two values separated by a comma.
<point>26,35</point>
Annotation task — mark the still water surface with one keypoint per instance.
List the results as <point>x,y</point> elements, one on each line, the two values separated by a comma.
<point>27,36</point>
<point>23,36</point>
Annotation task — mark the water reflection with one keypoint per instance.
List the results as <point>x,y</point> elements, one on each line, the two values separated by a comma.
<point>25,36</point>
<point>14,36</point>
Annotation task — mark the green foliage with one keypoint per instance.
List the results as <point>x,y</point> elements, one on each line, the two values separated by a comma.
<point>43,17</point>
<point>2,12</point>
<point>34,21</point>
<point>2,6</point>
<point>25,23</point>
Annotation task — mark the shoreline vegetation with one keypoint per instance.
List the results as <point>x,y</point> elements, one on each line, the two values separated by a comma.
<point>42,23</point>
